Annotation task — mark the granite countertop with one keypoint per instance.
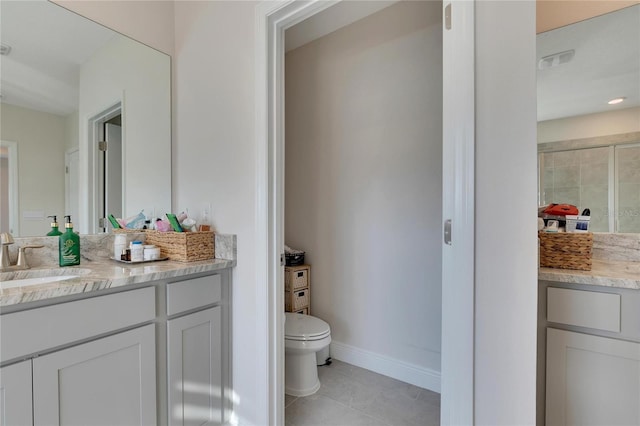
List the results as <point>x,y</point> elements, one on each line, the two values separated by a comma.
<point>100,274</point>
<point>607,273</point>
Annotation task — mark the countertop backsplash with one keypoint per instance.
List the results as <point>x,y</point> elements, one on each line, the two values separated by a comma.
<point>99,247</point>
<point>622,247</point>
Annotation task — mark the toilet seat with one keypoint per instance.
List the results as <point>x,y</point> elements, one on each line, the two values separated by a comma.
<point>301,327</point>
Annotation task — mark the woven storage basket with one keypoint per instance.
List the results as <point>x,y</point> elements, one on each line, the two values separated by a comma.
<point>296,277</point>
<point>183,246</point>
<point>296,300</point>
<point>566,250</point>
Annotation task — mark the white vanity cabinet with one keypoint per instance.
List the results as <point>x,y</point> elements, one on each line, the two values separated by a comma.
<point>156,354</point>
<point>15,394</point>
<point>89,380</point>
<point>592,362</point>
<point>196,386</point>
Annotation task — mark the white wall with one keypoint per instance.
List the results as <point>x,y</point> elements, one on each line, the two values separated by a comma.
<point>363,183</point>
<point>128,71</point>
<point>592,125</point>
<point>148,21</point>
<point>41,144</point>
<point>506,265</point>
<point>215,161</point>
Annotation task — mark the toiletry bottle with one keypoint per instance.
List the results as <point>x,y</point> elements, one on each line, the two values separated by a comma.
<point>69,246</point>
<point>119,244</point>
<point>137,251</point>
<point>54,227</point>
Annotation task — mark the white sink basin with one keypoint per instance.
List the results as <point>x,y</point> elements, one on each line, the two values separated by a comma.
<point>34,281</point>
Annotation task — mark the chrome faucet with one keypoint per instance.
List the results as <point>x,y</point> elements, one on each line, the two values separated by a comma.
<point>5,263</point>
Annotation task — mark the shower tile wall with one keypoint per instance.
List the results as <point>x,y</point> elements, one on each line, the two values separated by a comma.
<point>628,162</point>
<point>579,178</point>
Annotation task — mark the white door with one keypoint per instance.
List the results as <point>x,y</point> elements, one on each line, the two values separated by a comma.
<point>72,184</point>
<point>110,381</point>
<point>456,407</point>
<point>15,394</point>
<point>111,189</point>
<point>194,346</point>
<point>591,380</point>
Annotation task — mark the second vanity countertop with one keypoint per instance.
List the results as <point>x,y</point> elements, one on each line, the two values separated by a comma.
<point>100,275</point>
<point>607,273</point>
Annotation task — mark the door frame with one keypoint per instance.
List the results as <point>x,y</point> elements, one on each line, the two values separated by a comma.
<point>14,199</point>
<point>272,18</point>
<point>96,134</point>
<point>67,181</point>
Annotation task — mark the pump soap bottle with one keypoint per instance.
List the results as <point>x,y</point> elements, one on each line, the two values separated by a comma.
<point>54,227</point>
<point>69,245</point>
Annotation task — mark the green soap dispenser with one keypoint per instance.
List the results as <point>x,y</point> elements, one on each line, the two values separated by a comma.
<point>69,245</point>
<point>54,227</point>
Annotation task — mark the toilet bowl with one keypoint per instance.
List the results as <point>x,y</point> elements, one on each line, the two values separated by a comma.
<point>304,335</point>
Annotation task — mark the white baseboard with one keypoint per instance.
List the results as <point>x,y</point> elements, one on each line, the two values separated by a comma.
<point>400,370</point>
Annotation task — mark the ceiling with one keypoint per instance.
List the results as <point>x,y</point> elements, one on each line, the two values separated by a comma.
<point>606,65</point>
<point>48,46</point>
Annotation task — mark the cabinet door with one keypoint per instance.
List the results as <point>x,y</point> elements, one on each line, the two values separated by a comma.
<point>591,380</point>
<point>195,368</point>
<point>15,394</point>
<point>109,381</point>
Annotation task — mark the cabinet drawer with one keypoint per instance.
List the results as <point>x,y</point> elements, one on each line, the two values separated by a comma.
<point>61,324</point>
<point>195,293</point>
<point>296,300</point>
<point>590,309</point>
<point>296,277</point>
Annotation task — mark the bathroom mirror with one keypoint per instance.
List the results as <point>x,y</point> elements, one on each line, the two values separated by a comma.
<point>68,85</point>
<point>589,118</point>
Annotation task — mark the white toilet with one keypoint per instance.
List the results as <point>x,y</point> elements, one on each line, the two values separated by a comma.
<point>304,336</point>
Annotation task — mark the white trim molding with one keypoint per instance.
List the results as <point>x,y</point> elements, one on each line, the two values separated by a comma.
<point>272,18</point>
<point>419,376</point>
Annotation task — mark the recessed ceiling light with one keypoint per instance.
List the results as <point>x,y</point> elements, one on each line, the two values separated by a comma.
<point>616,101</point>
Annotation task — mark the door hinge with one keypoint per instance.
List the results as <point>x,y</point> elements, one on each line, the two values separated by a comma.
<point>447,16</point>
<point>66,169</point>
<point>282,261</point>
<point>102,145</point>
<point>447,231</point>
<point>102,222</point>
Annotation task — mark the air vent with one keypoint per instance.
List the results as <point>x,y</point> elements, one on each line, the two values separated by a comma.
<point>556,59</point>
<point>4,49</point>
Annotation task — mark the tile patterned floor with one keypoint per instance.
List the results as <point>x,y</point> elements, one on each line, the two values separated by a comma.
<point>353,396</point>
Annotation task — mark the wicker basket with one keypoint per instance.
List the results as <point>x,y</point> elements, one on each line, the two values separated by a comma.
<point>566,250</point>
<point>183,246</point>
<point>296,300</point>
<point>296,277</point>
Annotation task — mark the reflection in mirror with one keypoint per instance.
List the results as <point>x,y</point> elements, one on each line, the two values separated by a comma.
<point>69,85</point>
<point>589,148</point>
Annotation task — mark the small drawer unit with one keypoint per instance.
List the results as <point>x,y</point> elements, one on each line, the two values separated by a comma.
<point>297,289</point>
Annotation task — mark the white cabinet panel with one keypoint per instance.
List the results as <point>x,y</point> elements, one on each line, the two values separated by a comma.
<point>15,394</point>
<point>195,368</point>
<point>591,380</point>
<point>109,381</point>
